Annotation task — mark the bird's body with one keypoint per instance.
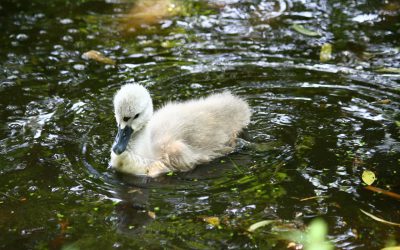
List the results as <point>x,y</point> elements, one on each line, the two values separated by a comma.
<point>181,135</point>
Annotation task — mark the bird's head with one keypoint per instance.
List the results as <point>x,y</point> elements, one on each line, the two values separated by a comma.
<point>133,108</point>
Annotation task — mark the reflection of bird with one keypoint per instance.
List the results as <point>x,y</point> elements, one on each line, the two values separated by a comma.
<point>149,12</point>
<point>178,136</point>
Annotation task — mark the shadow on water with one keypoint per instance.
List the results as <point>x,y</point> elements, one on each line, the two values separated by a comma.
<point>316,126</point>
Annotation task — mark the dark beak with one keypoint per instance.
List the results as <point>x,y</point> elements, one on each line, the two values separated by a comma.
<point>122,139</point>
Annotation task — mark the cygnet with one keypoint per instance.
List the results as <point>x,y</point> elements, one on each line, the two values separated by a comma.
<point>178,136</point>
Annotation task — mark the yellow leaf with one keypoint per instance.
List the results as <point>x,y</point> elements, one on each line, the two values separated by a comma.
<point>368,177</point>
<point>326,52</point>
<point>151,214</point>
<point>212,220</point>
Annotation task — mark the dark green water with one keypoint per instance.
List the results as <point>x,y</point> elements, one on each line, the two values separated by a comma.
<point>315,126</point>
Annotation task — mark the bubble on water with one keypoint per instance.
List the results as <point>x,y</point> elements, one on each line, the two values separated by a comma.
<point>79,67</point>
<point>66,21</point>
<point>6,84</point>
<point>365,18</point>
<point>22,37</point>
<point>77,189</point>
<point>40,15</point>
<point>130,80</point>
<point>282,119</point>
<point>33,188</point>
<point>72,31</point>
<point>12,77</point>
<point>67,38</point>
<point>78,107</point>
<point>166,24</point>
<point>196,86</point>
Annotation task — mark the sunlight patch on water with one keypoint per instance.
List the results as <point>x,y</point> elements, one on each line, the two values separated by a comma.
<point>365,18</point>
<point>78,107</point>
<point>363,113</point>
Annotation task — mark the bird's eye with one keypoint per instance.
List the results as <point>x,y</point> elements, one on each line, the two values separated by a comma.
<point>136,116</point>
<point>126,118</point>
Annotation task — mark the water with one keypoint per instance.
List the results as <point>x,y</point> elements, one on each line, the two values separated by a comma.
<point>315,126</point>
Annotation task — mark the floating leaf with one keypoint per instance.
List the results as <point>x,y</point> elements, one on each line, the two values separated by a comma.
<point>383,192</point>
<point>397,123</point>
<point>259,224</point>
<point>389,70</point>
<point>134,190</point>
<point>97,56</point>
<point>212,220</point>
<point>380,220</point>
<point>368,177</point>
<point>384,101</point>
<point>315,197</point>
<point>300,28</point>
<point>368,55</point>
<point>151,214</point>
<point>326,52</point>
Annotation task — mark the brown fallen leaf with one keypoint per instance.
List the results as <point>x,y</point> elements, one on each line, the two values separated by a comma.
<point>382,191</point>
<point>135,190</point>
<point>97,56</point>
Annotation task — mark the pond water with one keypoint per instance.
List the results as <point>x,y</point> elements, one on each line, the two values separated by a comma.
<point>316,126</point>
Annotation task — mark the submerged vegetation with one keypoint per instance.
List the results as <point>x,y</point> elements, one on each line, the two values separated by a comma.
<point>317,168</point>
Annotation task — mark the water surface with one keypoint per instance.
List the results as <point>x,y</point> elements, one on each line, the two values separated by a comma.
<point>315,126</point>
